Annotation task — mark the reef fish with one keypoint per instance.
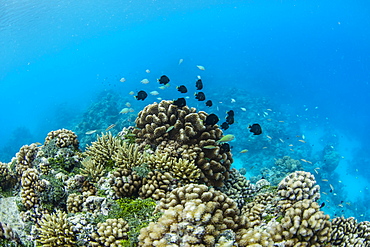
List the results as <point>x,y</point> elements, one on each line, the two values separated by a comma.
<point>180,102</point>
<point>141,95</point>
<point>210,147</point>
<point>230,117</point>
<point>122,79</point>
<point>201,67</point>
<point>128,104</point>
<point>110,127</point>
<point>226,138</point>
<point>182,89</point>
<point>199,84</point>
<point>180,61</point>
<point>243,151</point>
<point>200,96</point>
<point>90,132</point>
<point>209,103</point>
<point>131,93</point>
<point>164,80</point>
<point>154,93</point>
<point>144,81</point>
<point>224,126</point>
<point>124,111</point>
<point>255,129</point>
<point>211,119</point>
<point>147,71</point>
<point>170,128</point>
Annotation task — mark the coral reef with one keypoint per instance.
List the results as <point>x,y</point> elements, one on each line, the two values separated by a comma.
<point>63,138</point>
<point>194,215</point>
<point>110,233</point>
<point>347,232</point>
<point>297,186</point>
<point>160,124</point>
<point>56,230</point>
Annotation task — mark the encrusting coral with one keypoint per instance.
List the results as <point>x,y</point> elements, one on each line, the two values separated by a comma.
<point>162,123</point>
<point>56,230</point>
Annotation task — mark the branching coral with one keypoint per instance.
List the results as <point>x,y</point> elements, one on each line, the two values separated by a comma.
<point>347,232</point>
<point>56,230</point>
<point>193,216</point>
<point>160,124</point>
<point>110,233</point>
<point>25,157</point>
<point>298,186</point>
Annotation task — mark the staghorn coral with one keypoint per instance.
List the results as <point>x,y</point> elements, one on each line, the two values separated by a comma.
<point>127,155</point>
<point>182,131</point>
<point>104,149</point>
<point>194,215</point>
<point>63,138</point>
<point>91,170</point>
<point>55,230</point>
<point>110,233</point>
<point>297,186</point>
<point>347,232</point>
<point>25,157</point>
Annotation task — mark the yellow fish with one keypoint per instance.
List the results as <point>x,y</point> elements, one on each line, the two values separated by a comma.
<point>243,151</point>
<point>226,138</point>
<point>210,147</point>
<point>162,87</point>
<point>131,93</point>
<point>324,180</point>
<point>302,141</point>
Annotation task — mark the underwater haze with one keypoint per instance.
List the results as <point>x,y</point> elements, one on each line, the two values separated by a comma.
<point>308,62</point>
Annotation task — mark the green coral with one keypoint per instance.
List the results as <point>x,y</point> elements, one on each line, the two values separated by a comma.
<point>142,170</point>
<point>54,194</point>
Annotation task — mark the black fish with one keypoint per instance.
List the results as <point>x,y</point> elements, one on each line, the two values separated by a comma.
<point>141,95</point>
<point>180,102</point>
<point>209,103</point>
<point>230,113</point>
<point>182,89</point>
<point>164,80</point>
<point>211,119</point>
<point>255,129</point>
<point>230,119</point>
<point>199,84</point>
<point>225,147</point>
<point>224,126</point>
<point>322,205</point>
<point>200,96</point>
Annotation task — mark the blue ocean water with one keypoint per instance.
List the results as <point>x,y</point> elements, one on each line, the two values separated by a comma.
<point>308,62</point>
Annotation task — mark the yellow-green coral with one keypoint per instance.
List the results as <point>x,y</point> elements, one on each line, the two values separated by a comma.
<point>55,230</point>
<point>91,169</point>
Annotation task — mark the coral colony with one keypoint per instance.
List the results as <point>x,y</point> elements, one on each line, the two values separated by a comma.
<point>166,182</point>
